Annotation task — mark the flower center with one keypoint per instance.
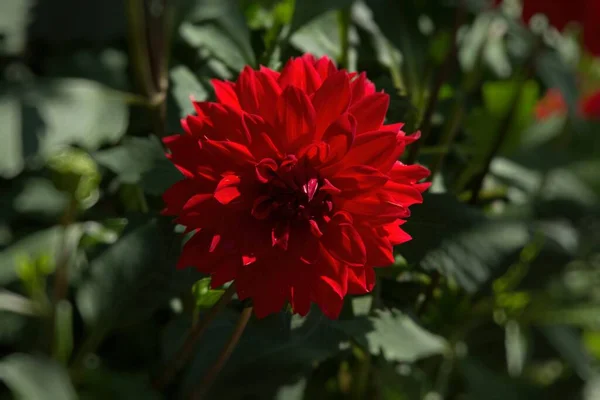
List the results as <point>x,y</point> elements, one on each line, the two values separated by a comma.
<point>291,191</point>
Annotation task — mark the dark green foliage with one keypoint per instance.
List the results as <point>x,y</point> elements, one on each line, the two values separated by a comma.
<point>495,297</point>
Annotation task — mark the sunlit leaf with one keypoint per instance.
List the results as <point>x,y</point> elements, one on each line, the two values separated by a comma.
<point>36,378</point>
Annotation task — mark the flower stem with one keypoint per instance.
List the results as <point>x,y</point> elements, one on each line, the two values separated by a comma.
<point>447,67</point>
<point>194,334</point>
<point>212,374</point>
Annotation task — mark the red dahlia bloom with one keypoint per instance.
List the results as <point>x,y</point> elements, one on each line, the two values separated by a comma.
<point>562,12</point>
<point>292,185</point>
<point>590,105</point>
<point>550,105</point>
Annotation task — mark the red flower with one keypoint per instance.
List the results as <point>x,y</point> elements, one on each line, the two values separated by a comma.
<point>590,105</point>
<point>550,105</point>
<point>562,12</point>
<point>553,104</point>
<point>292,185</point>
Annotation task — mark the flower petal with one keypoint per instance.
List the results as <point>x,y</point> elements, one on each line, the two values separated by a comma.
<point>370,112</point>
<point>300,73</point>
<point>373,149</point>
<point>358,179</point>
<point>331,100</point>
<point>225,92</point>
<point>227,189</point>
<point>361,280</point>
<point>295,117</point>
<point>343,242</point>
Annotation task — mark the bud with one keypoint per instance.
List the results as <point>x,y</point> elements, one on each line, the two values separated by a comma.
<point>75,172</point>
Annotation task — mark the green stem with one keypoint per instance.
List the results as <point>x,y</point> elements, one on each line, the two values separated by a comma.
<point>501,136</point>
<point>61,273</point>
<point>443,74</point>
<point>395,69</point>
<point>344,17</point>
<point>194,334</point>
<point>90,344</point>
<point>448,136</point>
<point>138,45</point>
<point>272,42</point>
<point>209,378</point>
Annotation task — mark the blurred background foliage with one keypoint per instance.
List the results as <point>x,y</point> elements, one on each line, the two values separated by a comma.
<point>497,296</point>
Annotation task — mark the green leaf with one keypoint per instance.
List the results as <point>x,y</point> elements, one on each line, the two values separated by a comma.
<point>516,346</point>
<point>398,22</point>
<point>396,336</point>
<point>43,242</point>
<point>35,378</point>
<point>483,383</point>
<point>555,73</point>
<point>407,385</point>
<point>184,86</point>
<point>47,115</point>
<point>140,161</point>
<point>205,296</point>
<point>498,97</point>
<point>461,242</point>
<point>272,352</point>
<point>34,197</point>
<point>306,10</point>
<point>101,384</point>
<point>14,15</point>
<point>567,341</point>
<point>219,27</point>
<point>320,37</point>
<point>133,277</point>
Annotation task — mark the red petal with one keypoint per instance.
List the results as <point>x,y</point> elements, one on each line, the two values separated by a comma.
<point>372,148</point>
<point>376,207</point>
<point>370,112</point>
<point>590,105</point>
<point>408,173</point>
<point>249,90</point>
<point>196,253</point>
<point>295,117</point>
<point>396,235</point>
<point>343,242</point>
<point>220,122</point>
<point>358,179</point>
<point>361,280</point>
<point>326,294</point>
<point>226,155</point>
<point>265,169</point>
<point>186,153</point>
<point>226,271</point>
<point>269,71</point>
<point>263,144</point>
<point>379,249</point>
<point>340,136</point>
<point>180,192</point>
<point>407,195</point>
<point>270,93</point>
<point>300,73</point>
<point>228,189</point>
<point>325,67</point>
<point>361,87</point>
<point>331,100</point>
<point>266,284</point>
<point>225,92</point>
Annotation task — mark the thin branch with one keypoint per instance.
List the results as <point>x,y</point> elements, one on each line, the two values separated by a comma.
<point>209,378</point>
<point>446,69</point>
<point>194,334</point>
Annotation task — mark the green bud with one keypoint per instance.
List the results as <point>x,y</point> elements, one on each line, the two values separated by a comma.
<point>76,173</point>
